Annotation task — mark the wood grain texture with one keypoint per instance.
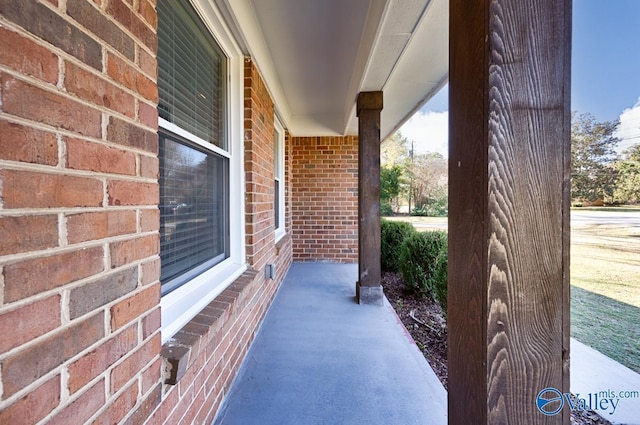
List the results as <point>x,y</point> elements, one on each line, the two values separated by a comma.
<point>467,209</point>
<point>509,121</point>
<point>369,106</point>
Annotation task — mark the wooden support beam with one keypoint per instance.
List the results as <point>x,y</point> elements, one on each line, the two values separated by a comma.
<point>509,131</point>
<point>368,288</point>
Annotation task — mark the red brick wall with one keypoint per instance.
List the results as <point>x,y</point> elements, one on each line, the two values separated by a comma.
<point>79,265</point>
<point>325,198</point>
<point>79,301</point>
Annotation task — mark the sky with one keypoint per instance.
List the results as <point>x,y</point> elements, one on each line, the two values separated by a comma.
<point>605,75</point>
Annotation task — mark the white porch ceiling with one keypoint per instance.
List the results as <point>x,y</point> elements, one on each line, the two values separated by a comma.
<point>317,55</point>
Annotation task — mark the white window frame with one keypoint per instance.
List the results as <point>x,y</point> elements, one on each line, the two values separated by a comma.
<point>278,171</point>
<point>180,305</point>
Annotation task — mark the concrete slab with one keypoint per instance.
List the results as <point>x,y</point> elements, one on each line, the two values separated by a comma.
<point>593,374</point>
<point>320,358</point>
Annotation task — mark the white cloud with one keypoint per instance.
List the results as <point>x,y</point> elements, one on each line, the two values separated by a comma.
<point>629,130</point>
<point>429,130</point>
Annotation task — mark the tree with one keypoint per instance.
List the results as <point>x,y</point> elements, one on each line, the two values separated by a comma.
<point>390,184</point>
<point>628,187</point>
<point>593,175</point>
<point>394,150</point>
<point>430,184</point>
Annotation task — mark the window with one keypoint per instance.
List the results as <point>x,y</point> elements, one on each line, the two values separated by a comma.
<point>279,188</point>
<point>201,190</point>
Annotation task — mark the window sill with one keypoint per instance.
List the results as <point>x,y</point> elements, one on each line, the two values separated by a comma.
<point>181,350</point>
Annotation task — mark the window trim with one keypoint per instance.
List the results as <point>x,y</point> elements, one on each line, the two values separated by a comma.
<point>279,174</point>
<point>182,304</point>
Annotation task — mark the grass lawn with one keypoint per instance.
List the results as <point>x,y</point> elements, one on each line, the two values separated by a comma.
<point>605,291</point>
<point>605,286</point>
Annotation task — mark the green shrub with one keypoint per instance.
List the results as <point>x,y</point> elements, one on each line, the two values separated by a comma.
<point>392,234</point>
<point>385,208</point>
<point>423,264</point>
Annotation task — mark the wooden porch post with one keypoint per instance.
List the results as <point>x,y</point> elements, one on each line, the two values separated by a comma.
<point>368,288</point>
<point>509,130</point>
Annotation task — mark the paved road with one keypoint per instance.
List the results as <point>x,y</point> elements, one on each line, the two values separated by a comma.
<point>579,218</point>
<point>622,218</point>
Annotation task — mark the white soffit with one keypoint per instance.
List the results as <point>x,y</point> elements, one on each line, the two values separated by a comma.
<point>419,72</point>
<point>316,55</point>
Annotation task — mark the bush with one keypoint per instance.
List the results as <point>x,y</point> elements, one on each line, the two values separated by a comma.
<point>385,208</point>
<point>392,234</point>
<point>423,264</point>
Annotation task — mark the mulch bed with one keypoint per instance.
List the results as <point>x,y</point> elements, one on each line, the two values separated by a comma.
<point>425,322</point>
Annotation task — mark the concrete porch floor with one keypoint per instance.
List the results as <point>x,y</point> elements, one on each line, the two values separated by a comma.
<point>320,358</point>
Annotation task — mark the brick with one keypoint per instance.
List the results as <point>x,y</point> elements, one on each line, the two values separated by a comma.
<point>99,225</point>
<point>134,363</point>
<point>26,189</point>
<point>82,155</point>
<point>120,407</point>
<point>123,14</point>
<point>148,12</point>
<point>125,252</point>
<point>93,295</point>
<point>92,364</point>
<point>148,405</point>
<point>83,407</point>
<point>152,376</point>
<point>31,277</point>
<point>130,135</point>
<point>92,88</point>
<point>123,192</point>
<point>53,28</point>
<point>28,233</point>
<point>150,220</point>
<point>135,306</point>
<point>34,406</point>
<point>29,322</point>
<point>126,74</point>
<point>150,272</point>
<point>148,115</point>
<point>33,59</point>
<point>28,365</point>
<point>149,167</point>
<point>148,63</point>
<point>96,22</point>
<point>27,101</point>
<point>25,144</point>
<point>151,323</point>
